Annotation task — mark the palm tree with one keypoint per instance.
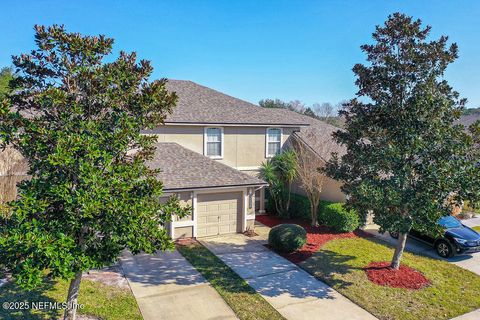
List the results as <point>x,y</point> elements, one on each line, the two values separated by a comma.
<point>279,173</point>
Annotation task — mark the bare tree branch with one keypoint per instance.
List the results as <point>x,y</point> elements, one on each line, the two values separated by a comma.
<point>310,172</point>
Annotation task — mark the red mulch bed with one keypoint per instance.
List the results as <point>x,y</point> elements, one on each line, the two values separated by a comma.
<point>316,236</point>
<point>405,277</point>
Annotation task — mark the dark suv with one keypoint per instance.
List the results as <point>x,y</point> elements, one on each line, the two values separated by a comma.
<point>457,239</point>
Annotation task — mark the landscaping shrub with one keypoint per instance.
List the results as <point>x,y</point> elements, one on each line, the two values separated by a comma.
<point>336,216</point>
<point>270,204</point>
<point>299,207</point>
<point>287,237</point>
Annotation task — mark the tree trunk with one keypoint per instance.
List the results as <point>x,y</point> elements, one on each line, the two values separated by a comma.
<point>287,206</point>
<point>400,247</point>
<point>313,212</point>
<point>72,298</point>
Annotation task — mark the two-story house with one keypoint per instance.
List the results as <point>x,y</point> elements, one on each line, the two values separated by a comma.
<point>210,150</point>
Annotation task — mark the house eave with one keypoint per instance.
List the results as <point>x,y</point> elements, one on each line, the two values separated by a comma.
<point>171,190</point>
<point>226,124</point>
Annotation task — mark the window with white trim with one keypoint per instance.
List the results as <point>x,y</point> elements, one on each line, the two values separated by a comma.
<point>214,142</point>
<point>274,141</point>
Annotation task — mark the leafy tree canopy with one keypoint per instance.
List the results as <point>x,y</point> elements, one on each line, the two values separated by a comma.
<point>6,75</point>
<point>273,103</point>
<point>470,111</point>
<point>325,112</point>
<point>406,160</point>
<point>77,121</point>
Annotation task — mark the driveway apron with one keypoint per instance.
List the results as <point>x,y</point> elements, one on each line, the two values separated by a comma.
<point>167,287</point>
<point>292,291</point>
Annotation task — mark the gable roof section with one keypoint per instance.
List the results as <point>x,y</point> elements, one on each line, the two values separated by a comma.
<point>183,169</point>
<point>317,136</point>
<point>201,105</point>
<point>468,120</point>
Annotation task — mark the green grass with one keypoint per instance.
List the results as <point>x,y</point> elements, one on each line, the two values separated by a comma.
<point>454,291</point>
<point>244,301</point>
<point>476,228</point>
<point>99,300</point>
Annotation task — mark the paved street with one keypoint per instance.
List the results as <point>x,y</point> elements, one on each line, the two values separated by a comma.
<point>470,262</point>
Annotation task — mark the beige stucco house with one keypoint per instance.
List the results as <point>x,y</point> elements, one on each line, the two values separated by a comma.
<point>210,150</point>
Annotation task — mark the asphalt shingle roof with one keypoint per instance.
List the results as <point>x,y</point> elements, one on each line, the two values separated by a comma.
<point>317,135</point>
<point>185,169</point>
<point>469,119</point>
<point>198,104</point>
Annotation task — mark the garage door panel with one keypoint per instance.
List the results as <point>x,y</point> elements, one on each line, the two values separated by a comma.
<point>224,217</point>
<point>213,229</point>
<point>224,206</point>
<point>220,213</point>
<point>211,207</point>
<point>201,231</point>
<point>212,219</point>
<point>227,229</point>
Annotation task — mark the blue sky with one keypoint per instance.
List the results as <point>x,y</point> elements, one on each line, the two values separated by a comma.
<point>252,49</point>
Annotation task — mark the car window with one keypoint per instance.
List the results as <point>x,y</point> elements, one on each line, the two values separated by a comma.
<point>449,222</point>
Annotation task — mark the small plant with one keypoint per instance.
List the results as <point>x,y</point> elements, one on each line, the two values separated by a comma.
<point>250,232</point>
<point>336,216</point>
<point>287,237</point>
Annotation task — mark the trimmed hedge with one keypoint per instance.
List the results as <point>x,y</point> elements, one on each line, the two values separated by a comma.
<point>287,237</point>
<point>336,216</point>
<point>299,206</point>
<point>331,214</point>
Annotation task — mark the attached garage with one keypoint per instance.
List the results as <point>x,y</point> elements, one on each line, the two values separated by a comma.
<point>218,213</point>
<point>222,198</point>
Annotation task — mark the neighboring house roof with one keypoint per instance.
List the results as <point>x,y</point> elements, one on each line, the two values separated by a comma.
<point>467,120</point>
<point>185,169</point>
<point>201,105</point>
<point>317,136</point>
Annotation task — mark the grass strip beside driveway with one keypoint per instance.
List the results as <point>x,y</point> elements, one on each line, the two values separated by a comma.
<point>340,262</point>
<point>243,299</point>
<point>99,300</point>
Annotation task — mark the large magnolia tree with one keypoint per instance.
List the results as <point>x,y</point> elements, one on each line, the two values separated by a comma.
<point>407,161</point>
<point>77,121</point>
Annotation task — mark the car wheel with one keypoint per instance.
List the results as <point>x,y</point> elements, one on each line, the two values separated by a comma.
<point>444,249</point>
<point>394,234</point>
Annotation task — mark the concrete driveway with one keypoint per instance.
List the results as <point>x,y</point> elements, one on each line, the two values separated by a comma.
<point>296,294</point>
<point>167,287</point>
<point>470,262</point>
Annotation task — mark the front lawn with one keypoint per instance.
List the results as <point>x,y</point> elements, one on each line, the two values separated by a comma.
<point>244,301</point>
<point>340,262</point>
<point>99,300</point>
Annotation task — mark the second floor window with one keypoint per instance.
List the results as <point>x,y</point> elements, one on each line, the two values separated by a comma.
<point>214,142</point>
<point>274,141</point>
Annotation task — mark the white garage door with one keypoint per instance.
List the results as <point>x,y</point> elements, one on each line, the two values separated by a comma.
<point>218,213</point>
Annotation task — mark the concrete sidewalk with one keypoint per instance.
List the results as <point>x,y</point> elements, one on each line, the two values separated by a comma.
<point>292,291</point>
<point>166,286</point>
